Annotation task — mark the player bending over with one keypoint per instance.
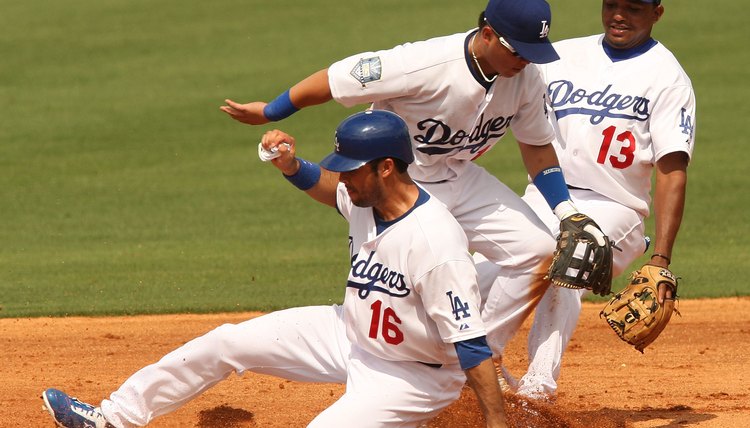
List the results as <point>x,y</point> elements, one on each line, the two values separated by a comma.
<point>460,94</point>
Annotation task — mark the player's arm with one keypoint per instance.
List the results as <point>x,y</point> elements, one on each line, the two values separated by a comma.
<point>542,164</point>
<point>538,158</point>
<point>544,168</point>
<point>317,182</point>
<point>313,90</point>
<point>669,203</point>
<point>443,305</point>
<point>475,358</point>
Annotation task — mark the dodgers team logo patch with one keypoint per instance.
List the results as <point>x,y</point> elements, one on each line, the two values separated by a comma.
<point>367,70</point>
<point>686,123</point>
<point>459,308</point>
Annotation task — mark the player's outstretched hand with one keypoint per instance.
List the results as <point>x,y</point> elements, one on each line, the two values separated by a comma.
<point>283,144</point>
<point>250,113</point>
<point>636,314</point>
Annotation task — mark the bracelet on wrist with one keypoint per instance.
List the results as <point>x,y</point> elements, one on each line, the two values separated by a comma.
<point>662,256</point>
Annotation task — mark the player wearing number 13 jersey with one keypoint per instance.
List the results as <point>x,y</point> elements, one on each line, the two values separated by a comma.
<point>622,108</point>
<point>618,116</point>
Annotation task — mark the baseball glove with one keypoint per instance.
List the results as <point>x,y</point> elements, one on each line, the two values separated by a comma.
<point>582,259</point>
<point>635,313</point>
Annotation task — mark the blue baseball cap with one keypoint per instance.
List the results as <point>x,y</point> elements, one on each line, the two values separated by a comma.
<point>525,25</point>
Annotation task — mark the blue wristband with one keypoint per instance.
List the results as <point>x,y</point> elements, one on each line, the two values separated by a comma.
<point>551,185</point>
<point>280,108</point>
<point>472,352</point>
<point>306,176</point>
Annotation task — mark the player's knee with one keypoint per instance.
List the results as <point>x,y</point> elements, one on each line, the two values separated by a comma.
<point>221,340</point>
<point>539,249</point>
<point>214,352</point>
<point>544,245</point>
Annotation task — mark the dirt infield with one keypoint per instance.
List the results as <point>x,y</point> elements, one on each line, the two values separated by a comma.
<point>696,374</point>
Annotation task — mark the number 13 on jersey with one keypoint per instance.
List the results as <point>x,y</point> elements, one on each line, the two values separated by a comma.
<point>621,158</point>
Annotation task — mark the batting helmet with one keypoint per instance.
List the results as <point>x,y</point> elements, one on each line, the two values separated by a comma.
<point>369,135</point>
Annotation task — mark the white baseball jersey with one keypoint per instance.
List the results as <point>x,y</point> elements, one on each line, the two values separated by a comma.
<point>452,118</point>
<point>412,289</point>
<point>615,119</point>
<point>411,293</point>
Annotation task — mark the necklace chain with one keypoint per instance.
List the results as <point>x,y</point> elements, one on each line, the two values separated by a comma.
<point>479,67</point>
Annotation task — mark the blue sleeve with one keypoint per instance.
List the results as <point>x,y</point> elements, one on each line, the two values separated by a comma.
<point>472,352</point>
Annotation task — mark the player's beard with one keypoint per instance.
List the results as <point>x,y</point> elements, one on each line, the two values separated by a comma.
<point>370,196</point>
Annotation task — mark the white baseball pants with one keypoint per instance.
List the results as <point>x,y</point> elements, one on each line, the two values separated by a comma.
<point>557,314</point>
<point>306,344</point>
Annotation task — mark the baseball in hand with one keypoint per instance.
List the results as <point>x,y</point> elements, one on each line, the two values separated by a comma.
<point>267,155</point>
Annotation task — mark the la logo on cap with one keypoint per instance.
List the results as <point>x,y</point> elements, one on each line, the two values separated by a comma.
<point>545,30</point>
<point>525,25</point>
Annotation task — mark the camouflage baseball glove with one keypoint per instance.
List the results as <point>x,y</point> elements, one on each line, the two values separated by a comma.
<point>583,257</point>
<point>635,313</point>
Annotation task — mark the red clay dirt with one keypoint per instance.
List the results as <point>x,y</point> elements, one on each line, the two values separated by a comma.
<point>697,374</point>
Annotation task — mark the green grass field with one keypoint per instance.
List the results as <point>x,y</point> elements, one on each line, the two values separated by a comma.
<point>124,189</point>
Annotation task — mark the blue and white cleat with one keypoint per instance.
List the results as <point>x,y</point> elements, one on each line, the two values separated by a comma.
<point>69,412</point>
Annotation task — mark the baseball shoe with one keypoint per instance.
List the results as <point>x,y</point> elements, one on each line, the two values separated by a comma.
<point>537,394</point>
<point>69,412</point>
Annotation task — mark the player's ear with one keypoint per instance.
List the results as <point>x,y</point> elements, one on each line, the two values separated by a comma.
<point>386,167</point>
<point>658,12</point>
<point>486,34</point>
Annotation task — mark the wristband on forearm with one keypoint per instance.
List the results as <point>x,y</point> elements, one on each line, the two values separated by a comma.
<point>306,176</point>
<point>551,185</point>
<point>280,108</point>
